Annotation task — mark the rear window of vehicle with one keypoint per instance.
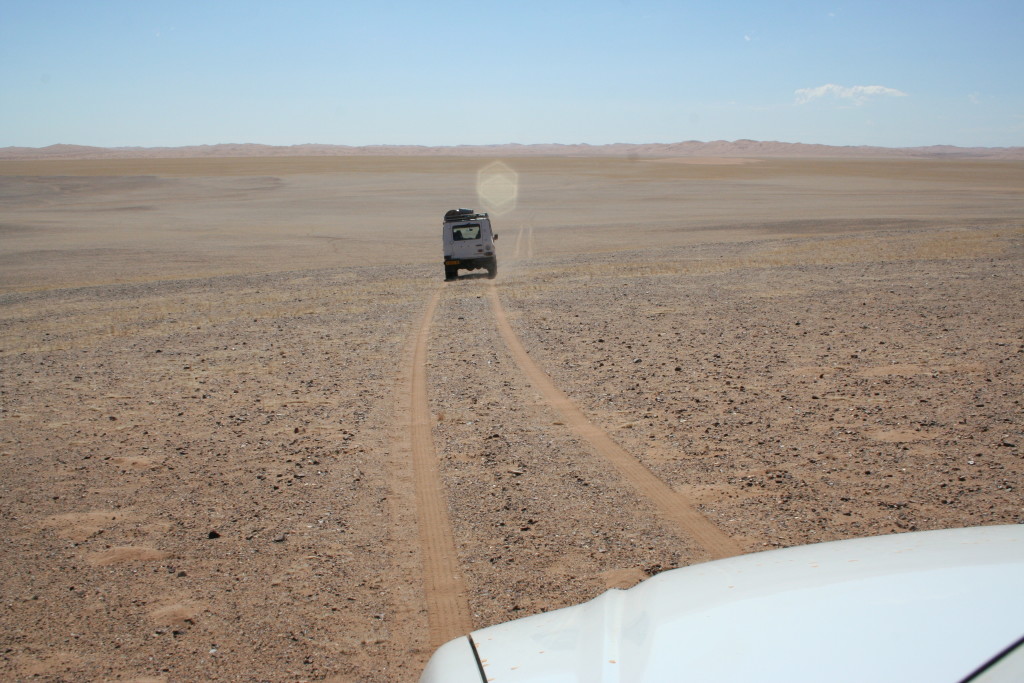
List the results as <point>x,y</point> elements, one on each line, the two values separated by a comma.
<point>470,231</point>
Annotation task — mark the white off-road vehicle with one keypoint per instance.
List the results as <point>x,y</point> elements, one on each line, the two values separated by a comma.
<point>468,243</point>
<point>923,606</point>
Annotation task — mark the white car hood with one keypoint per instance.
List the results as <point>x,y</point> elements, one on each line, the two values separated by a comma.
<point>926,606</point>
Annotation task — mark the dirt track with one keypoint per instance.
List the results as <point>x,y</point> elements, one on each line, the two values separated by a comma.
<point>444,589</point>
<point>671,505</point>
<point>267,459</point>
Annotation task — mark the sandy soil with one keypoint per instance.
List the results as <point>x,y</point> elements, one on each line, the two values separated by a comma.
<point>249,434</point>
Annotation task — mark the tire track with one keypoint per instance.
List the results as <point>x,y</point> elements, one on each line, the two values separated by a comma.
<point>672,506</point>
<point>445,594</point>
<point>524,242</point>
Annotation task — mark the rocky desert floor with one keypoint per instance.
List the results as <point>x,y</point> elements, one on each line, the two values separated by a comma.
<point>249,434</point>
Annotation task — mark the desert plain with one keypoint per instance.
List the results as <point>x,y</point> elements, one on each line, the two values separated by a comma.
<point>247,433</point>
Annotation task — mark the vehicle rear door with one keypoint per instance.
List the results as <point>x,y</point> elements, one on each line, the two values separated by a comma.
<point>468,240</point>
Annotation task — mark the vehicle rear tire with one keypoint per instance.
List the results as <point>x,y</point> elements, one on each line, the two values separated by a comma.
<point>492,270</point>
<point>450,273</point>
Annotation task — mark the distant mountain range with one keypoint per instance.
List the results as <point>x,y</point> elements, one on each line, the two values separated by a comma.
<point>693,148</point>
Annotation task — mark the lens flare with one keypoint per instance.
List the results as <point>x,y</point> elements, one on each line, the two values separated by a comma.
<point>497,188</point>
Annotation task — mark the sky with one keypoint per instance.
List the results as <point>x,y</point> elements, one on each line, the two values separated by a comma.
<point>154,73</point>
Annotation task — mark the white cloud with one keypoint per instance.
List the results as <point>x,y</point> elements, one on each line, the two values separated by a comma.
<point>857,94</point>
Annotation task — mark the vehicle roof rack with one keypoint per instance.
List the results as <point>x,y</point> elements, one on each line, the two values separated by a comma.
<point>462,215</point>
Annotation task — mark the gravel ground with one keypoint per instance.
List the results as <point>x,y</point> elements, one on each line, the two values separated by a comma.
<point>206,478</point>
<point>193,485</point>
<point>808,402</point>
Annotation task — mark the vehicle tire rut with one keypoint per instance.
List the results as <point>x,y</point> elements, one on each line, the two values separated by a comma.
<point>445,593</point>
<point>674,507</point>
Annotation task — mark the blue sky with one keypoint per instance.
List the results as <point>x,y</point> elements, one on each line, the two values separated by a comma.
<point>152,73</point>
